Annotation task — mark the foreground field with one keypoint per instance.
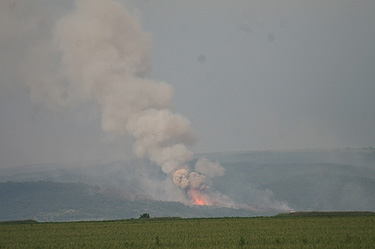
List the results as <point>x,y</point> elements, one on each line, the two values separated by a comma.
<point>263,232</point>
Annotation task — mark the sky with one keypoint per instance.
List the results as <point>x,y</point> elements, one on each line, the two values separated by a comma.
<point>248,75</point>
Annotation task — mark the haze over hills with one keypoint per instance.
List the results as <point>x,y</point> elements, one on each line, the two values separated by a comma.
<point>257,183</point>
<point>51,201</point>
<point>322,180</point>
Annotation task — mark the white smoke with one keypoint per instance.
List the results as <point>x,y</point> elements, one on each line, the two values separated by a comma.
<point>105,57</point>
<point>162,136</point>
<point>208,168</point>
<point>181,178</point>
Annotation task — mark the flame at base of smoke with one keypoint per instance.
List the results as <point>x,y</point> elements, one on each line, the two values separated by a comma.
<point>199,198</point>
<point>196,184</point>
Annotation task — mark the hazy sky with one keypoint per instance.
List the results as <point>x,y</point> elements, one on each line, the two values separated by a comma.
<point>249,75</point>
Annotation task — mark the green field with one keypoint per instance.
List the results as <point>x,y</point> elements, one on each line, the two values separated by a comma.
<point>260,232</point>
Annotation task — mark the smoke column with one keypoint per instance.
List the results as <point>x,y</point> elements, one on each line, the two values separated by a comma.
<point>105,57</point>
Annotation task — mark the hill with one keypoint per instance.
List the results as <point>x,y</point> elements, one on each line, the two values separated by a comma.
<point>321,180</point>
<point>309,180</point>
<point>51,201</point>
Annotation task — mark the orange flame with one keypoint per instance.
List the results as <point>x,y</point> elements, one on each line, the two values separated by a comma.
<point>198,200</point>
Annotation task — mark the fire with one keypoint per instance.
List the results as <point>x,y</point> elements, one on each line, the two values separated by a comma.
<point>198,199</point>
<point>199,202</point>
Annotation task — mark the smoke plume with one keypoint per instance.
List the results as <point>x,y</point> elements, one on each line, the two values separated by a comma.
<point>104,59</point>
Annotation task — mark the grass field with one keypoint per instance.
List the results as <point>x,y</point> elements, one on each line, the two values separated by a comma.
<point>261,232</point>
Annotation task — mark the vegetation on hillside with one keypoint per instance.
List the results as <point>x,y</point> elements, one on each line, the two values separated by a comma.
<point>50,201</point>
<point>309,180</point>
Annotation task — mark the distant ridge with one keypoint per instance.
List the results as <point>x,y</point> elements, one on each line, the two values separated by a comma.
<point>309,180</point>
<point>304,214</point>
<point>50,201</point>
<point>351,156</point>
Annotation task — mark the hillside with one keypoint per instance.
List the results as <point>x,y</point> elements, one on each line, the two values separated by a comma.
<point>50,201</point>
<point>309,180</point>
<point>305,180</point>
